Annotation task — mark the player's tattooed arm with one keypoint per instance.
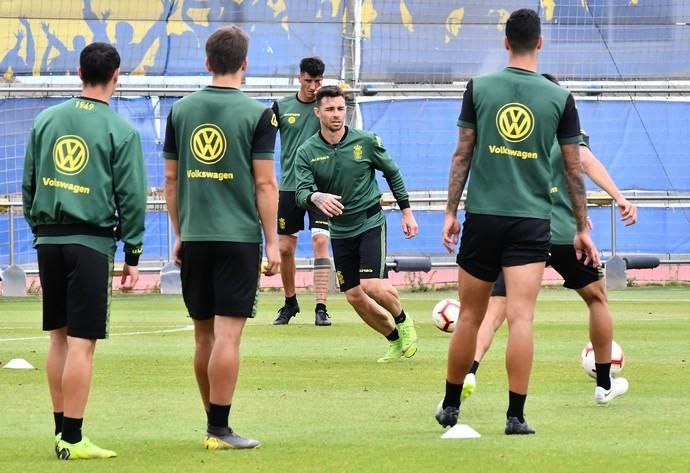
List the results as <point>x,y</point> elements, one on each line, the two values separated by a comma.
<point>576,183</point>
<point>460,167</point>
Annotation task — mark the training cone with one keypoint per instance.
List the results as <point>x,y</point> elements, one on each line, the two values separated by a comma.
<point>19,364</point>
<point>461,431</point>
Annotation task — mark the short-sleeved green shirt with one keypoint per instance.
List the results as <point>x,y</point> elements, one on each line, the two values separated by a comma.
<point>296,122</point>
<point>563,225</point>
<point>215,134</point>
<point>516,114</point>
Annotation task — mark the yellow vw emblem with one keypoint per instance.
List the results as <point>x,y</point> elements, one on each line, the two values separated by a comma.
<point>515,122</point>
<point>70,154</point>
<point>208,143</point>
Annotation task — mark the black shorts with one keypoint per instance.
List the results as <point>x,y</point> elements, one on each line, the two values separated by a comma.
<point>291,216</point>
<point>220,278</point>
<point>76,282</point>
<point>360,257</point>
<point>499,289</point>
<point>575,274</point>
<point>490,242</point>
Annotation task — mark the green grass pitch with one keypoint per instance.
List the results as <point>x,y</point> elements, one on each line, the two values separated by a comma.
<point>319,402</point>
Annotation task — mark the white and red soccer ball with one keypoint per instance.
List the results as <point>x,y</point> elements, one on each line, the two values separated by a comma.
<point>617,359</point>
<point>446,314</point>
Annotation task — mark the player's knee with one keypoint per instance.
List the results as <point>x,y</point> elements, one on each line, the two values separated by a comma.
<point>287,249</point>
<point>520,318</point>
<point>372,288</point>
<point>203,339</point>
<point>320,244</point>
<point>355,296</point>
<point>594,293</point>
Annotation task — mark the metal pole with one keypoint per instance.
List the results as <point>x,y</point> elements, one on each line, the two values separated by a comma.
<point>10,213</point>
<point>171,239</point>
<point>350,60</point>
<point>613,228</point>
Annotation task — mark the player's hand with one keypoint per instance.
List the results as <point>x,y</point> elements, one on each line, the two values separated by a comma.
<point>451,232</point>
<point>23,20</point>
<point>628,212</point>
<point>585,248</point>
<point>45,27</point>
<point>272,264</point>
<point>133,273</point>
<point>328,203</point>
<point>177,253</point>
<point>19,35</point>
<point>409,224</point>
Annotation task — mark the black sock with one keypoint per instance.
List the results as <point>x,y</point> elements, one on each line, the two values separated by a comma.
<point>603,375</point>
<point>291,301</point>
<point>474,367</point>
<point>516,405</point>
<point>400,318</point>
<point>394,335</point>
<point>58,416</point>
<point>452,397</point>
<point>320,306</point>
<point>71,429</point>
<point>218,415</point>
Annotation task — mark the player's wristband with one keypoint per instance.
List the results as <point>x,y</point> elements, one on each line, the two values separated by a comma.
<point>404,204</point>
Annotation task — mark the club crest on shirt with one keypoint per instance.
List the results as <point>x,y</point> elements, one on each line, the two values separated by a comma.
<point>357,152</point>
<point>208,143</point>
<point>515,122</point>
<point>70,154</point>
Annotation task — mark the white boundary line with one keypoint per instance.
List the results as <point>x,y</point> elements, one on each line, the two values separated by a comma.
<point>186,328</point>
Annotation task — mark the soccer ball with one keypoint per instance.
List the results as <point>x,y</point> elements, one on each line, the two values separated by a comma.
<point>617,359</point>
<point>445,314</point>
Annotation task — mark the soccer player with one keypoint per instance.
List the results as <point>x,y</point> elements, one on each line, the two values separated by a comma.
<point>297,122</point>
<point>507,127</point>
<point>335,173</point>
<point>218,178</point>
<point>585,279</point>
<point>84,186</point>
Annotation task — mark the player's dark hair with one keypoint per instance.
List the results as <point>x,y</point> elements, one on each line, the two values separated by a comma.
<point>313,66</point>
<point>226,49</point>
<point>98,63</point>
<point>328,91</point>
<point>523,29</point>
<point>551,77</point>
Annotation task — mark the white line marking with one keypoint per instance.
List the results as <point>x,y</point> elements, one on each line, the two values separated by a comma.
<point>186,328</point>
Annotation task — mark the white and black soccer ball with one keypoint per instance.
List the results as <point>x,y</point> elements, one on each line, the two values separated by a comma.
<point>446,314</point>
<point>617,359</point>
